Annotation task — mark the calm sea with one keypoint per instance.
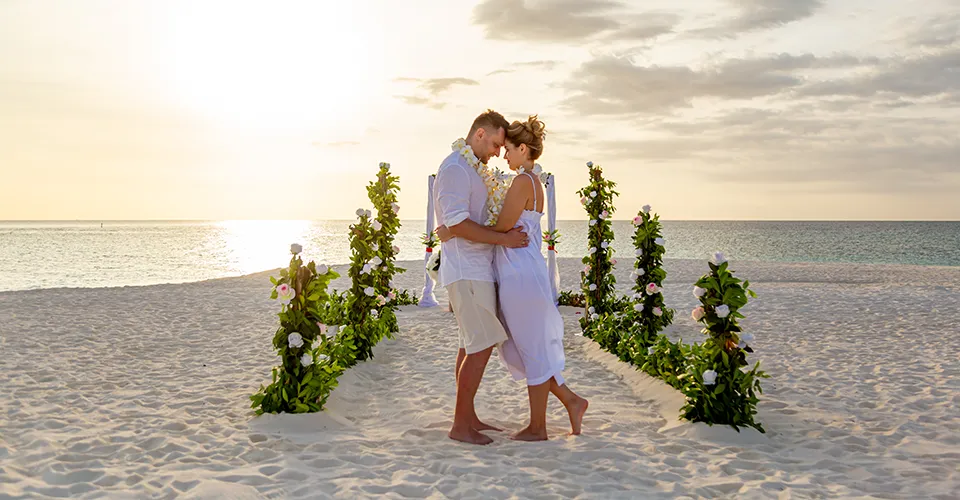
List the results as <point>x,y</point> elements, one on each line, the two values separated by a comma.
<point>84,254</point>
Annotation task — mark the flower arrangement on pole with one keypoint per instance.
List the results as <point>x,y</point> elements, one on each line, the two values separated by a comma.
<point>312,354</point>
<point>597,280</point>
<point>383,195</point>
<point>648,313</point>
<point>718,389</point>
<point>363,303</point>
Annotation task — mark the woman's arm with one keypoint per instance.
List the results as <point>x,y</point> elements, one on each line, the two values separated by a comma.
<point>517,196</point>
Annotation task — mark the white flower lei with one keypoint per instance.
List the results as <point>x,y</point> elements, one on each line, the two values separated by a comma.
<point>496,181</point>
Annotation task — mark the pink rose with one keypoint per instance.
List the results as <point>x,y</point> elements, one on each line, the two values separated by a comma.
<point>698,313</point>
<point>652,288</point>
<point>657,311</point>
<point>637,221</point>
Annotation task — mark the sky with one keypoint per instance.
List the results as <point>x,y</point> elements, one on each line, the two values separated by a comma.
<point>704,109</point>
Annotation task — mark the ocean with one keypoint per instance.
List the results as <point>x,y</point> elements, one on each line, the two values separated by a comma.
<point>83,254</point>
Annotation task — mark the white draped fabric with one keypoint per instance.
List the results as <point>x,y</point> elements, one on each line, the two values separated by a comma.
<point>428,299</point>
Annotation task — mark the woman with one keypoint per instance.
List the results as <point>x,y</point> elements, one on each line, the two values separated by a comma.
<point>534,350</point>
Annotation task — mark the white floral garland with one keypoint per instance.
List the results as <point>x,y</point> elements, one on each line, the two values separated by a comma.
<point>495,180</point>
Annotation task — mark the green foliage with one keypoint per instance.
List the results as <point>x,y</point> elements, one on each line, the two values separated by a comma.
<point>719,390</point>
<point>383,195</point>
<point>403,298</point>
<point>569,298</point>
<point>597,280</point>
<point>363,304</point>
<point>312,355</point>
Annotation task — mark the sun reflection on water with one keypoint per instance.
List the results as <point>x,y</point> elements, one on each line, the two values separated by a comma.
<point>251,246</point>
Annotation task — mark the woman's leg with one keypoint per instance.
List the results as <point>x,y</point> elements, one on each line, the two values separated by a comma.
<point>575,405</point>
<point>537,430</point>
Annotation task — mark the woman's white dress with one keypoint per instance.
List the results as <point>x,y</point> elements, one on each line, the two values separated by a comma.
<point>534,348</point>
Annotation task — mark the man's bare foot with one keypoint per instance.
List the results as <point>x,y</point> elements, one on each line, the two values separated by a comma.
<point>530,435</point>
<point>470,436</point>
<point>576,411</point>
<point>479,426</point>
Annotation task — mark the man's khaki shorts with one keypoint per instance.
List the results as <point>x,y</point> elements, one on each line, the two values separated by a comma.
<point>475,306</point>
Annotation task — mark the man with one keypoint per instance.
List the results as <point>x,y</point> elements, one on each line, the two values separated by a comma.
<point>466,269</point>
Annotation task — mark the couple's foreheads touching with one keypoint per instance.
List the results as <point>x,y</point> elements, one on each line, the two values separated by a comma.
<point>523,141</point>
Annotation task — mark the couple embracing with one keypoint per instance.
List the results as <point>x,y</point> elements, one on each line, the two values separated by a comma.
<point>496,276</point>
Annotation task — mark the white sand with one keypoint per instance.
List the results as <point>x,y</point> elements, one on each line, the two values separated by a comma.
<point>142,392</point>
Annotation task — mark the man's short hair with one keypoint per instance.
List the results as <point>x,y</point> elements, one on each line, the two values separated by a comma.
<point>490,120</point>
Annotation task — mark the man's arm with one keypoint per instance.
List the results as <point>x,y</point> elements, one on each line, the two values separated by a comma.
<point>453,199</point>
<point>470,230</point>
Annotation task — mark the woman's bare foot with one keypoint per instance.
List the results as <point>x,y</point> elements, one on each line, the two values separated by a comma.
<point>576,411</point>
<point>469,436</point>
<point>480,426</point>
<point>528,434</point>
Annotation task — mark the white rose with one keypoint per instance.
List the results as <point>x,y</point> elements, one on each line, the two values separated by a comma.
<point>396,249</point>
<point>322,269</point>
<point>375,247</point>
<point>718,258</point>
<point>594,316</point>
<point>395,207</point>
<point>366,269</point>
<point>646,209</point>
<point>651,350</point>
<point>593,250</point>
<point>306,359</point>
<point>368,213</point>
<point>593,194</point>
<point>377,226</point>
<point>709,377</point>
<point>589,164</point>
<point>295,248</point>
<point>699,292</point>
<point>369,291</point>
<point>657,311</point>
<point>639,252</point>
<point>742,344</point>
<point>593,222</point>
<point>374,313</point>
<point>295,340</point>
<point>638,307</point>
<point>641,271</point>
<point>323,329</point>
<point>322,357</point>
<point>746,337</point>
<point>604,245</point>
<point>722,311</point>
<point>360,212</point>
<point>593,287</point>
<point>377,261</point>
<point>658,241</point>
<point>591,310</point>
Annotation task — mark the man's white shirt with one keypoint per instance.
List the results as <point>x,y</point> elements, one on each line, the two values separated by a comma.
<point>459,194</point>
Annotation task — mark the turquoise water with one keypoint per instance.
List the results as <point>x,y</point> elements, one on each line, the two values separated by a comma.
<point>84,254</point>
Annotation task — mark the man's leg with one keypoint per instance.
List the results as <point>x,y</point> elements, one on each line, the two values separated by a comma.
<point>468,381</point>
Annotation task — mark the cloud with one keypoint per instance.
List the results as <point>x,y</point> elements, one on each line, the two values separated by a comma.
<point>924,76</point>
<point>421,101</point>
<point>610,85</point>
<point>568,20</point>
<point>940,32</point>
<point>849,150</point>
<point>437,86</point>
<point>753,15</point>
<point>542,65</point>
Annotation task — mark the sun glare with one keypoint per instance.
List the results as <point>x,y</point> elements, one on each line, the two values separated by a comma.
<point>279,69</point>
